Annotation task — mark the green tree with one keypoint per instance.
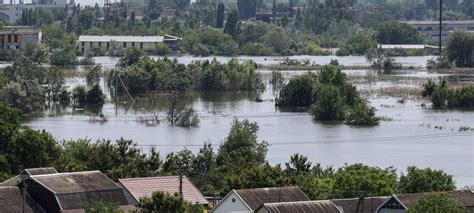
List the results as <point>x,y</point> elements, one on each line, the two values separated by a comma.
<point>220,15</point>
<point>394,32</point>
<point>358,44</point>
<point>329,104</point>
<point>362,114</point>
<point>460,49</point>
<point>298,92</point>
<point>232,25</point>
<point>425,180</point>
<point>437,202</point>
<point>95,96</point>
<point>132,56</point>
<point>298,165</point>
<point>351,180</point>
<point>163,202</point>
<point>101,207</point>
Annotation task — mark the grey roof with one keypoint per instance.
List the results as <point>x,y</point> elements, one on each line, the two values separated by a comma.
<point>105,38</point>
<point>321,206</point>
<point>41,171</point>
<point>254,198</point>
<point>465,197</point>
<point>11,201</point>
<point>21,29</point>
<point>366,205</point>
<point>74,189</point>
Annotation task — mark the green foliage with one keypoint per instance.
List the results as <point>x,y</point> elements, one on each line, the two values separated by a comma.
<point>442,96</point>
<point>209,42</point>
<point>425,180</point>
<point>358,44</point>
<point>232,25</point>
<point>437,202</point>
<point>380,59</point>
<point>101,207</point>
<point>394,32</point>
<point>163,202</point>
<point>95,96</point>
<point>187,118</point>
<point>329,104</point>
<point>298,92</point>
<point>93,75</point>
<point>62,57</point>
<point>460,49</point>
<point>350,180</point>
<point>362,114</point>
<point>132,56</point>
<point>162,49</point>
<point>258,49</point>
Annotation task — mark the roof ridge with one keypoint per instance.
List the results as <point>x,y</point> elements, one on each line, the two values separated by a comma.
<point>67,173</point>
<point>150,178</point>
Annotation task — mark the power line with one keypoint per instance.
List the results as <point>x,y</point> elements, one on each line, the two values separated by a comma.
<point>334,141</point>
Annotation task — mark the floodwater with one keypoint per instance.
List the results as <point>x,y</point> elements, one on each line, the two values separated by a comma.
<point>411,133</point>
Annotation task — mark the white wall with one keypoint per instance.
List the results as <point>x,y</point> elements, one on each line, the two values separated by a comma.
<point>227,205</point>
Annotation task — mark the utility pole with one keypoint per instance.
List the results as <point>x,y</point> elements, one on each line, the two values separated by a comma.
<point>440,25</point>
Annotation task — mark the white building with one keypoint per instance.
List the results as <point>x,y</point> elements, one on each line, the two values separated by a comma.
<point>14,10</point>
<point>87,42</point>
<point>249,200</point>
<point>431,28</point>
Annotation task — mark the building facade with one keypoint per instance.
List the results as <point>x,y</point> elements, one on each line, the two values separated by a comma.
<point>431,28</point>
<point>87,42</point>
<point>19,36</point>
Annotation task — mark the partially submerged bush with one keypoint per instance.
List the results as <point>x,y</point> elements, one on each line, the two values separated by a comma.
<point>362,114</point>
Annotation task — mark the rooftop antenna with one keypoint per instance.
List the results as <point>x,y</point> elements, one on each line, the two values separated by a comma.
<point>440,25</point>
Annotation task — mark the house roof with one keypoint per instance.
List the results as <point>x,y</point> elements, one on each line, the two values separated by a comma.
<point>320,206</point>
<point>40,171</point>
<point>465,197</point>
<point>11,201</point>
<point>367,205</point>
<point>74,189</point>
<point>144,187</point>
<point>254,198</point>
<point>105,38</point>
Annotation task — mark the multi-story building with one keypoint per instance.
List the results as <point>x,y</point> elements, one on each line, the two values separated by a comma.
<point>13,11</point>
<point>431,28</point>
<point>19,36</point>
<point>87,42</point>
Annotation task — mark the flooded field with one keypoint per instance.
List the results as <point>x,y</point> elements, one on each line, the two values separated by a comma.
<point>411,134</point>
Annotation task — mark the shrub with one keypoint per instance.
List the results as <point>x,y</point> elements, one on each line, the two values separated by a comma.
<point>437,202</point>
<point>298,92</point>
<point>162,49</point>
<point>187,118</point>
<point>329,104</point>
<point>362,114</point>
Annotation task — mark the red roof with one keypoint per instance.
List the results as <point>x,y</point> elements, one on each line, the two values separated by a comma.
<point>144,187</point>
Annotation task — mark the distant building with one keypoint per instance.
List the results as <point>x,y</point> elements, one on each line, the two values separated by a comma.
<point>14,11</point>
<point>137,12</point>
<point>249,200</point>
<point>87,42</point>
<point>138,188</point>
<point>431,28</point>
<point>422,47</point>
<point>320,206</point>
<point>19,36</point>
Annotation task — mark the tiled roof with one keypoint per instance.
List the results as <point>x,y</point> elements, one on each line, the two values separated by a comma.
<point>144,187</point>
<point>321,206</point>
<point>254,198</point>
<point>367,205</point>
<point>11,201</point>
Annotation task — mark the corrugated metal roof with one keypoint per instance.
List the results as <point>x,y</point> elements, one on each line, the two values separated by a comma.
<point>76,182</point>
<point>11,201</point>
<point>145,39</point>
<point>367,205</point>
<point>254,198</point>
<point>144,187</point>
<point>72,190</point>
<point>321,206</point>
<point>465,197</point>
<point>41,171</point>
<point>401,46</point>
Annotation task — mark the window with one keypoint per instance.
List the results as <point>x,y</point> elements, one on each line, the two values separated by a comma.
<point>83,43</point>
<point>91,44</point>
<point>9,38</point>
<point>133,44</point>
<point>100,44</point>
<point>15,38</point>
<point>141,45</point>
<point>124,44</point>
<point>108,44</point>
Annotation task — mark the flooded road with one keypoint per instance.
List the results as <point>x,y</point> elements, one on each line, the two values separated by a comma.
<point>411,134</point>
